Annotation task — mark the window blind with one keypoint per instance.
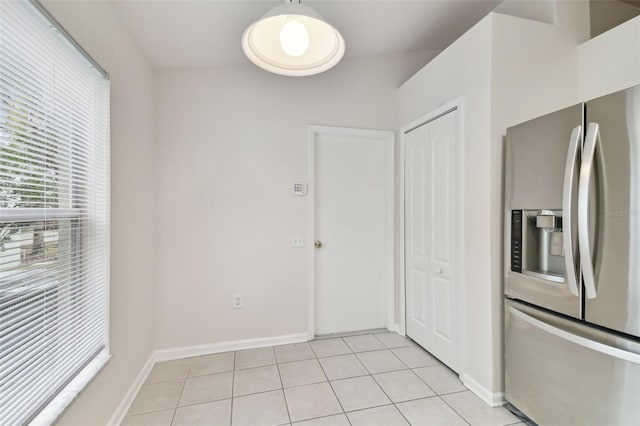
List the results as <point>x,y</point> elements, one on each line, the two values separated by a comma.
<point>54,213</point>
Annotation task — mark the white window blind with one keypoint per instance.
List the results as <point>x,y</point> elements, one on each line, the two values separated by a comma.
<point>54,216</point>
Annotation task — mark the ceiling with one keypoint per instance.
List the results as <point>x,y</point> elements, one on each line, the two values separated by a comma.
<point>194,33</point>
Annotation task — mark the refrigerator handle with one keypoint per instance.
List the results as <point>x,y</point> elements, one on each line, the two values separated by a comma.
<point>567,209</point>
<point>586,171</point>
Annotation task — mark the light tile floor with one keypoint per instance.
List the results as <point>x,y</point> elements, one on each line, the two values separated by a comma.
<point>367,379</point>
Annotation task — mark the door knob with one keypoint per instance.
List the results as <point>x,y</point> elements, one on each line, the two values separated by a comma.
<point>317,244</point>
<point>440,270</point>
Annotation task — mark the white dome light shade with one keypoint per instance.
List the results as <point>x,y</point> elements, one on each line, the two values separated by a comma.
<point>293,40</point>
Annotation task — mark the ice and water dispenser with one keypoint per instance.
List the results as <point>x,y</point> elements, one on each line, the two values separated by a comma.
<point>537,245</point>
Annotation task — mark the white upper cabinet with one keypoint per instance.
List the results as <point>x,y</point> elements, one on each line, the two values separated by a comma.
<point>610,61</point>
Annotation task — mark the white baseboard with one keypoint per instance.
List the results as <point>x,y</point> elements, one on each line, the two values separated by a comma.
<point>189,351</point>
<point>123,407</point>
<point>398,329</point>
<point>214,348</point>
<point>494,399</point>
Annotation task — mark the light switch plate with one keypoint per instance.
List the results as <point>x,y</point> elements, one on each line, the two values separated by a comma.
<point>237,301</point>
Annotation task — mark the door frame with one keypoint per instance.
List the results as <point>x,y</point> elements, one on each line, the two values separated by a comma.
<point>389,137</point>
<point>456,104</point>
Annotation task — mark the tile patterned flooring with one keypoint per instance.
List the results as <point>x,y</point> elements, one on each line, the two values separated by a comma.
<point>368,379</point>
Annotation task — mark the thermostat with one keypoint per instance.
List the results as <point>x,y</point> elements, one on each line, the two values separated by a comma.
<point>299,189</point>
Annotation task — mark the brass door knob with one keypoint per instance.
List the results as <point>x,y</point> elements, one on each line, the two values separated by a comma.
<point>317,244</point>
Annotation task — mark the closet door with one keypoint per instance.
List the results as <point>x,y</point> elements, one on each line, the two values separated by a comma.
<point>430,237</point>
<point>416,235</point>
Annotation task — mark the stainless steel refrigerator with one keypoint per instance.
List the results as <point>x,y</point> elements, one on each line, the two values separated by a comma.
<point>572,264</point>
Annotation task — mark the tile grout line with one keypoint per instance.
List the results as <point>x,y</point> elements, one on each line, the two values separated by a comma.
<point>190,405</point>
<point>233,382</point>
<point>313,350</point>
<point>175,410</point>
<point>398,358</point>
<point>284,395</point>
<point>425,382</point>
<point>401,413</point>
<point>308,384</point>
<point>331,386</point>
<point>454,410</point>
<point>418,377</point>
<point>394,404</point>
<point>383,391</point>
<point>329,356</point>
<point>439,364</point>
<point>352,333</point>
<point>333,391</point>
<point>416,399</point>
<point>391,402</point>
<point>339,402</point>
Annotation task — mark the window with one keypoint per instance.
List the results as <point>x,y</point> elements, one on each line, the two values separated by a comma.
<point>54,216</point>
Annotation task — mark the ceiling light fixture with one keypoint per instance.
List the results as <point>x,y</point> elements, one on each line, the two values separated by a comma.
<point>293,40</point>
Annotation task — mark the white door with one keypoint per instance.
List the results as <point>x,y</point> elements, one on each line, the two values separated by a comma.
<point>353,223</point>
<point>430,237</point>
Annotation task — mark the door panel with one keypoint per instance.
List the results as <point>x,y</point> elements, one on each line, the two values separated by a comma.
<point>418,297</point>
<point>442,139</point>
<point>430,237</point>
<point>352,201</point>
<point>441,188</point>
<point>615,221</point>
<point>442,324</point>
<point>416,261</point>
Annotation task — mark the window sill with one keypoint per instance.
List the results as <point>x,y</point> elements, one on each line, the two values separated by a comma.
<point>54,410</point>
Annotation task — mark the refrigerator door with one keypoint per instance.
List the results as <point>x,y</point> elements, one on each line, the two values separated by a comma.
<point>563,372</point>
<point>541,175</point>
<point>612,193</point>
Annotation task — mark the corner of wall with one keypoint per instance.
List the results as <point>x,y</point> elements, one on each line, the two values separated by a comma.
<point>541,10</point>
<point>534,71</point>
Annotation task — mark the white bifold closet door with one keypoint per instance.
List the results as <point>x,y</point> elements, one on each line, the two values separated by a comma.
<point>430,237</point>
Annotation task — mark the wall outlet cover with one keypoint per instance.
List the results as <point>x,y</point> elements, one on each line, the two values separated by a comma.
<point>297,241</point>
<point>237,301</point>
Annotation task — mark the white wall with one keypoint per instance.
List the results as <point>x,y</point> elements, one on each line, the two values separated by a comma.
<point>95,26</point>
<point>611,61</point>
<point>464,69</point>
<point>537,10</point>
<point>231,142</point>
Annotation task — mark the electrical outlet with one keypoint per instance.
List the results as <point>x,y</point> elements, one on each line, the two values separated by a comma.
<point>297,241</point>
<point>237,301</point>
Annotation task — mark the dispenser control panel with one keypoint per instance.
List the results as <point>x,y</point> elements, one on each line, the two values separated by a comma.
<point>516,241</point>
